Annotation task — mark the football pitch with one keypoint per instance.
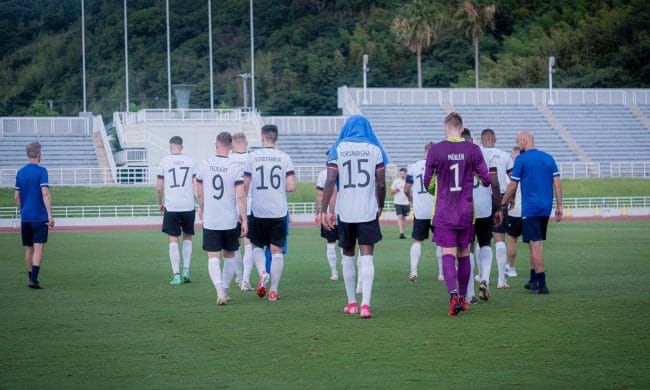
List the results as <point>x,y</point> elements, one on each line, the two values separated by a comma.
<point>108,318</point>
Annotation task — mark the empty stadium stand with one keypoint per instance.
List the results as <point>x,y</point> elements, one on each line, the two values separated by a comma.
<point>65,151</point>
<point>307,149</point>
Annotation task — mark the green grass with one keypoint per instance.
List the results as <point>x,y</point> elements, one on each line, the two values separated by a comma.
<point>79,196</point>
<point>108,318</point>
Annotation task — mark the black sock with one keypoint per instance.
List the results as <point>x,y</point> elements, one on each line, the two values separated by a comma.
<point>34,275</point>
<point>541,279</point>
<point>532,276</point>
<point>29,275</point>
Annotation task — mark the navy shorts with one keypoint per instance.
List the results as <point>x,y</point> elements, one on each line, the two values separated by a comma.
<point>365,233</point>
<point>175,221</point>
<point>483,230</point>
<point>330,235</point>
<point>217,240</point>
<point>421,228</point>
<point>402,209</point>
<point>33,233</point>
<point>265,231</point>
<point>513,226</point>
<point>534,228</point>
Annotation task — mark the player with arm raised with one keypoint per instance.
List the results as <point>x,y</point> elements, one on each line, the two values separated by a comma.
<point>330,235</point>
<point>240,155</point>
<point>357,161</point>
<point>422,211</point>
<point>175,182</point>
<point>222,205</point>
<point>272,177</point>
<point>454,163</point>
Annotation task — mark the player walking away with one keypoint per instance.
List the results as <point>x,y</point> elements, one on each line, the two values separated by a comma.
<point>454,163</point>
<point>330,235</point>
<point>402,204</point>
<point>272,178</point>
<point>539,177</point>
<point>422,211</point>
<point>222,206</point>
<point>503,163</point>
<point>513,228</point>
<point>240,155</point>
<point>32,196</point>
<point>175,176</point>
<point>357,161</point>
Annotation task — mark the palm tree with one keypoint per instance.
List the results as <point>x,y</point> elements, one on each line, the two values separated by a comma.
<point>478,15</point>
<point>416,29</point>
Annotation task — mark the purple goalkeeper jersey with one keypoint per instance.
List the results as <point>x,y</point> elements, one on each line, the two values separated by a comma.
<point>454,162</point>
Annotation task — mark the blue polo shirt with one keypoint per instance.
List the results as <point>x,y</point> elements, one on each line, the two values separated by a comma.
<point>534,170</point>
<point>29,181</point>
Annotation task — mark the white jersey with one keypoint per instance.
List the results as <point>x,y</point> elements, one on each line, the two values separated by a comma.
<point>320,185</point>
<point>244,160</point>
<point>270,168</point>
<point>502,161</point>
<point>516,211</point>
<point>219,177</point>
<point>177,172</point>
<point>399,197</point>
<point>356,164</point>
<point>422,199</point>
<point>483,195</point>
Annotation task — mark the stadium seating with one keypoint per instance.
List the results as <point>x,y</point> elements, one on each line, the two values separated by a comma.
<point>645,109</point>
<point>69,151</point>
<point>307,149</point>
<point>605,132</point>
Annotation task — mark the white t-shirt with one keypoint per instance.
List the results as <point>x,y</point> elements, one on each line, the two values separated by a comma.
<point>502,161</point>
<point>422,200</point>
<point>483,195</point>
<point>244,160</point>
<point>219,176</point>
<point>516,211</point>
<point>320,185</point>
<point>177,172</point>
<point>356,164</point>
<point>270,168</point>
<point>399,197</point>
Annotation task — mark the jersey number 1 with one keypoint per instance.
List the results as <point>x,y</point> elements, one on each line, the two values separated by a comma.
<point>456,187</point>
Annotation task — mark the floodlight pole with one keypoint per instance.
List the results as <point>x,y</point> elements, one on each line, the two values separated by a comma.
<point>83,52</point>
<point>365,79</point>
<point>551,64</point>
<point>252,75</point>
<point>210,54</point>
<point>169,65</point>
<point>244,77</point>
<point>126,58</point>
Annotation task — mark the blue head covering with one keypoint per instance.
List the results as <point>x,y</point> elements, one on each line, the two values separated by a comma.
<point>357,129</point>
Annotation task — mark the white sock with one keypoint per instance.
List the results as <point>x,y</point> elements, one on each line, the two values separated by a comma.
<point>260,260</point>
<point>174,257</point>
<point>187,254</point>
<point>277,266</point>
<point>359,268</point>
<point>349,277</point>
<point>368,276</point>
<point>416,250</point>
<point>229,269</point>
<point>248,262</point>
<point>470,283</point>
<point>502,260</point>
<point>238,266</point>
<point>471,260</point>
<point>439,257</point>
<point>485,261</point>
<point>214,269</point>
<point>331,258</point>
<point>478,263</point>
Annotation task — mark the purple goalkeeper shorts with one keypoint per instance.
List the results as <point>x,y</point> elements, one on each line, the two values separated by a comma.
<point>453,238</point>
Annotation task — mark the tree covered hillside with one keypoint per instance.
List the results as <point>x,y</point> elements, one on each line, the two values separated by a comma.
<point>305,49</point>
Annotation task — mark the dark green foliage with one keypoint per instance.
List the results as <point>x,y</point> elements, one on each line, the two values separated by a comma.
<point>304,50</point>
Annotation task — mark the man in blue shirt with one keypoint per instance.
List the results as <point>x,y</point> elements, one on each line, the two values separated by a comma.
<point>539,178</point>
<point>33,198</point>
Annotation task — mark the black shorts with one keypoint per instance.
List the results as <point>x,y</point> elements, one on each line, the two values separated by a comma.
<point>217,240</point>
<point>33,232</point>
<point>513,227</point>
<point>534,228</point>
<point>330,235</point>
<point>402,209</point>
<point>265,231</point>
<point>365,233</point>
<point>175,221</point>
<point>504,223</point>
<point>483,230</point>
<point>421,228</point>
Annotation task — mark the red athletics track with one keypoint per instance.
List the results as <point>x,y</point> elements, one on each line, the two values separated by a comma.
<point>101,228</point>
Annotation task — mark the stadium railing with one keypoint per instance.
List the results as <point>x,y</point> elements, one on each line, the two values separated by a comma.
<point>305,125</point>
<point>579,170</point>
<point>629,169</point>
<point>111,211</point>
<point>44,126</point>
<point>196,115</point>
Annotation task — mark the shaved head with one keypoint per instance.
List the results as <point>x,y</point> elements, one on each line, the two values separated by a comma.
<point>525,140</point>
